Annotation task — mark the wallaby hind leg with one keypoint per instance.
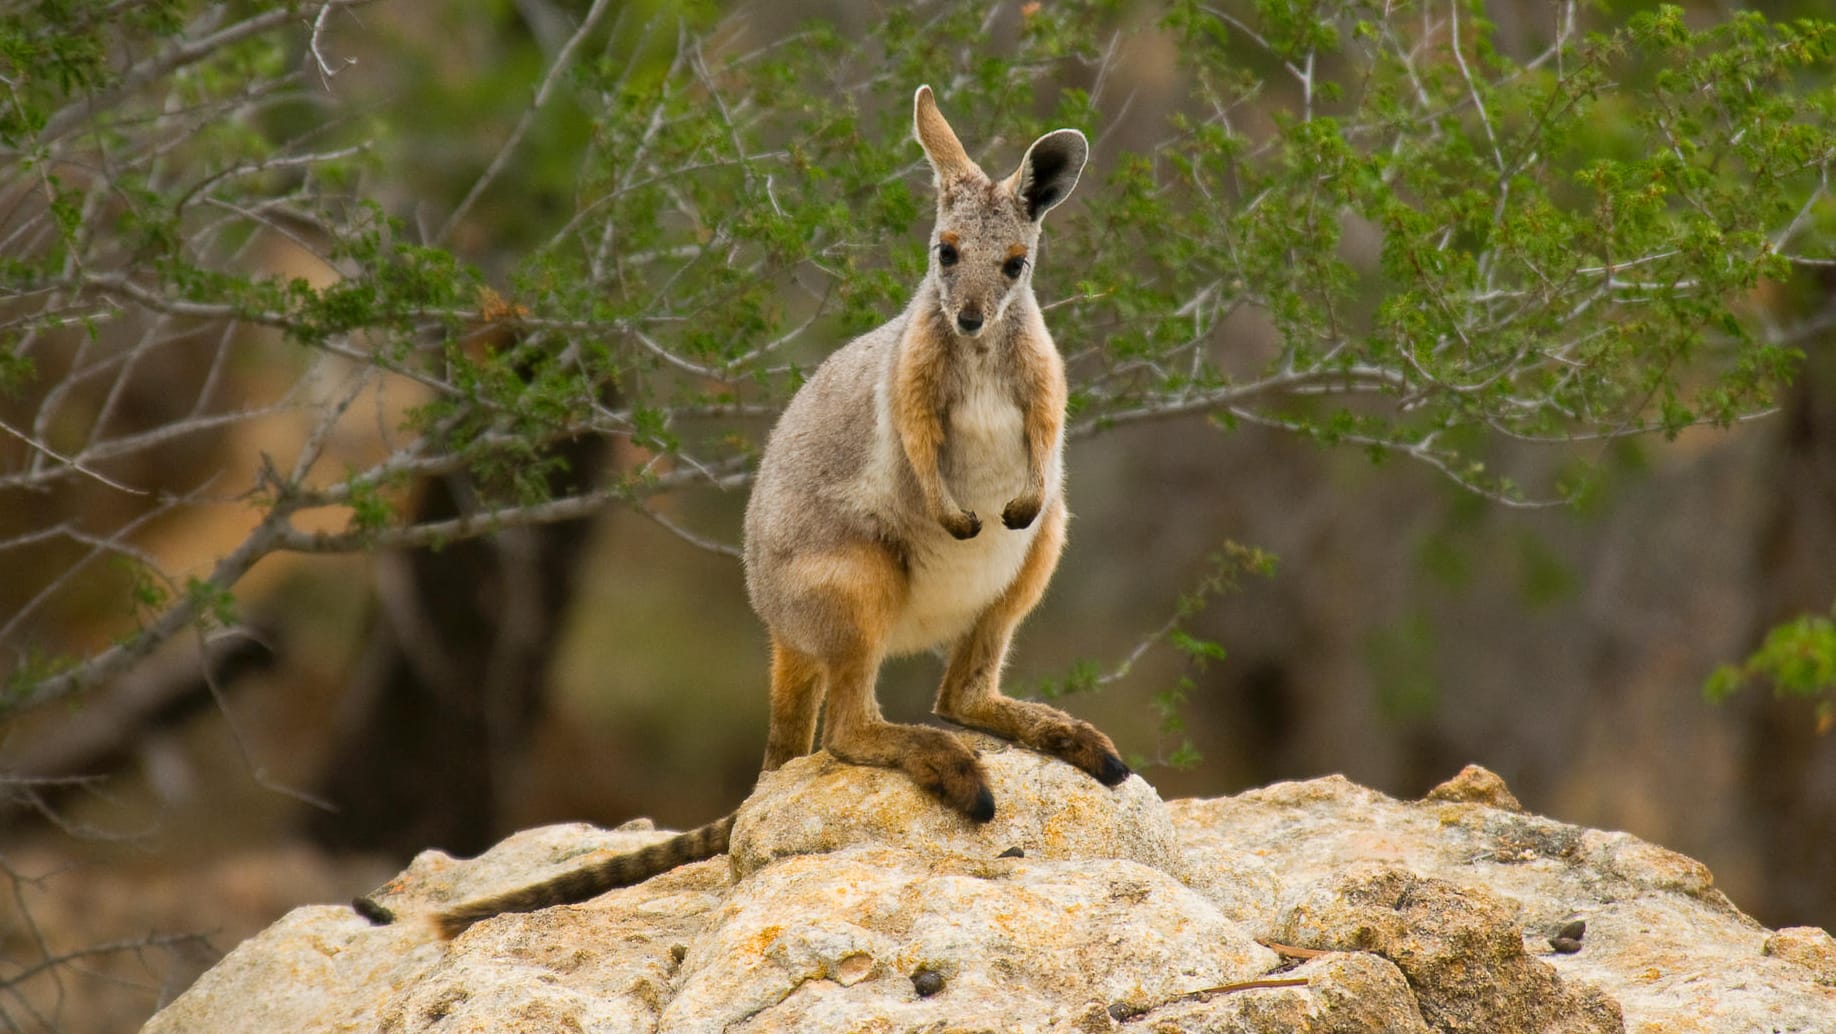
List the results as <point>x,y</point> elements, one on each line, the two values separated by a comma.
<point>934,759</point>
<point>796,697</point>
<point>863,587</point>
<point>971,695</point>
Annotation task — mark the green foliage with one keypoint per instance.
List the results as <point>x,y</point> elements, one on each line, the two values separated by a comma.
<point>34,666</point>
<point>54,50</point>
<point>1538,278</point>
<point>16,370</point>
<point>1447,246</point>
<point>215,605</point>
<point>148,591</point>
<point>370,511</point>
<point>1797,657</point>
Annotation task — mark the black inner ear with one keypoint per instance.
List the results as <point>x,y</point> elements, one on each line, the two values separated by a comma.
<point>1049,165</point>
<point>1040,200</point>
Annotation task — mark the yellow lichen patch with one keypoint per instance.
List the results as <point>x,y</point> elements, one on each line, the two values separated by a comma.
<point>761,941</point>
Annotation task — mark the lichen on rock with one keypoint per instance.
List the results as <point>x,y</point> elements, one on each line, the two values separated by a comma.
<point>851,901</point>
<point>1460,949</point>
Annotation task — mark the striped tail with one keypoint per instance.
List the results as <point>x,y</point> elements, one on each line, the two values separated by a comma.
<point>580,884</point>
<point>618,871</point>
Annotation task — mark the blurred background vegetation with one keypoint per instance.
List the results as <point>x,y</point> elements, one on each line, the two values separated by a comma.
<point>379,383</point>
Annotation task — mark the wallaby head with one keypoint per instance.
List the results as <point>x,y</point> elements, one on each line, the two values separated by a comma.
<point>987,230</point>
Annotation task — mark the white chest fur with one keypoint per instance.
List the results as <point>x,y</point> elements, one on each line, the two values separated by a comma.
<point>984,455</point>
<point>952,581</point>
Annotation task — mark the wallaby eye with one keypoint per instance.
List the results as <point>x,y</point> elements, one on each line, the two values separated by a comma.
<point>1013,267</point>
<point>946,254</point>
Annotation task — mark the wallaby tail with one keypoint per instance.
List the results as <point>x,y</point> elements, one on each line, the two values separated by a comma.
<point>579,884</point>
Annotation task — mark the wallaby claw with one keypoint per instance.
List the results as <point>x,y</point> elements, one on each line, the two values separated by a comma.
<point>1081,744</point>
<point>1111,770</point>
<point>957,779</point>
<point>964,525</point>
<point>984,807</point>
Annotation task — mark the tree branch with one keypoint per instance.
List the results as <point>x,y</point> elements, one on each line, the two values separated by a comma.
<point>562,60</point>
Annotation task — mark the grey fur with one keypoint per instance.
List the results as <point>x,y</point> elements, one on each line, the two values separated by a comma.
<point>834,473</point>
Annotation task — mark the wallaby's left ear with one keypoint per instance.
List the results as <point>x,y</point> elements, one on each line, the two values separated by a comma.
<point>949,162</point>
<point>1049,171</point>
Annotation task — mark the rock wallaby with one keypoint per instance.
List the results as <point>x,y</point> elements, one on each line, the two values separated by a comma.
<point>911,497</point>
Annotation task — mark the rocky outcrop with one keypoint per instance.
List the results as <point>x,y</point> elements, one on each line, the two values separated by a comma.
<point>851,901</point>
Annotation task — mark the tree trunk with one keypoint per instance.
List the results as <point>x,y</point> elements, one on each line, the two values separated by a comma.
<point>1789,770</point>
<point>454,677</point>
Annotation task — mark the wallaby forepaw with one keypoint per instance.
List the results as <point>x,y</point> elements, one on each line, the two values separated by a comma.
<point>1020,513</point>
<point>963,524</point>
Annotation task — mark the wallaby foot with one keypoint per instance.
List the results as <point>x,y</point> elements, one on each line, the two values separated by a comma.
<point>935,760</point>
<point>1048,731</point>
<point>1086,747</point>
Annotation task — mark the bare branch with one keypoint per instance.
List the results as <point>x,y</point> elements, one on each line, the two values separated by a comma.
<point>732,474</point>
<point>326,71</point>
<point>190,606</point>
<point>72,463</point>
<point>51,962</point>
<point>116,544</point>
<point>698,541</point>
<point>1472,88</point>
<point>1356,378</point>
<point>75,114</point>
<point>560,65</point>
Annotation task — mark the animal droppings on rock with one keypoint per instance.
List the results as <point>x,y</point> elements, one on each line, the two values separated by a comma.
<point>1565,945</point>
<point>1573,930</point>
<point>927,982</point>
<point>375,913</point>
<point>1012,852</point>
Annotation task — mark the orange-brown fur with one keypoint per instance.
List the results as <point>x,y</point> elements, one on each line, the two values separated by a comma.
<point>918,409</point>
<point>1043,407</point>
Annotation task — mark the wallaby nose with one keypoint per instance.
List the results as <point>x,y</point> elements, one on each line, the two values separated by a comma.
<point>969,320</point>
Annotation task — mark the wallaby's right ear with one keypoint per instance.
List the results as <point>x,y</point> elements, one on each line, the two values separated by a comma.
<point>949,162</point>
<point>1049,170</point>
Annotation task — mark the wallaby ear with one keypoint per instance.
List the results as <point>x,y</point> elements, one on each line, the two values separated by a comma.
<point>941,147</point>
<point>1049,171</point>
